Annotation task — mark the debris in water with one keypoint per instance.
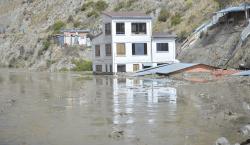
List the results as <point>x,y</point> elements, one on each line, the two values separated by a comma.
<point>247,142</point>
<point>222,141</point>
<point>245,130</point>
<point>116,134</point>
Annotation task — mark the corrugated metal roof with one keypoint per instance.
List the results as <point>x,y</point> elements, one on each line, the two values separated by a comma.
<point>165,69</point>
<point>163,35</point>
<point>175,67</point>
<point>234,9</point>
<point>243,73</point>
<point>127,15</point>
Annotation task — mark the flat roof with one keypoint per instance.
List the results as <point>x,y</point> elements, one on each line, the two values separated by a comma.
<point>163,35</point>
<point>127,15</point>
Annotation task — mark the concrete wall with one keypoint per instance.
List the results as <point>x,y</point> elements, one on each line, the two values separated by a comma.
<point>128,38</point>
<point>161,57</point>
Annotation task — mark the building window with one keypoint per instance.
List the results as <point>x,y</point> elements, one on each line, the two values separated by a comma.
<point>111,68</point>
<point>139,28</point>
<point>120,28</point>
<point>106,66</point>
<point>108,49</point>
<point>108,29</point>
<point>98,68</point>
<point>136,67</point>
<point>121,68</point>
<point>120,49</point>
<point>97,50</point>
<point>162,47</point>
<point>139,49</point>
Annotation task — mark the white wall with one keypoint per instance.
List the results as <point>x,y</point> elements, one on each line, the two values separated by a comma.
<point>128,38</point>
<point>161,57</point>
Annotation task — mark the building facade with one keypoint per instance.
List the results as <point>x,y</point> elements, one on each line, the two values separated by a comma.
<point>127,44</point>
<point>75,37</point>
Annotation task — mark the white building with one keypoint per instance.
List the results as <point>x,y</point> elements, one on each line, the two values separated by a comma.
<point>76,37</point>
<point>127,44</point>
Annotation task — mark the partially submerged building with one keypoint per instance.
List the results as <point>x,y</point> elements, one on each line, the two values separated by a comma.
<point>128,44</point>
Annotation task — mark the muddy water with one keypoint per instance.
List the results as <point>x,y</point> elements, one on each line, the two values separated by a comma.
<point>74,109</point>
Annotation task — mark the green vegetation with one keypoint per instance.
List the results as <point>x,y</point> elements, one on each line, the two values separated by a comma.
<point>164,15</point>
<point>101,5</point>
<point>46,44</point>
<point>222,3</point>
<point>126,4</point>
<point>58,26</point>
<point>82,65</point>
<point>50,62</point>
<point>92,14</point>
<point>77,24</point>
<point>94,9</point>
<point>189,3</point>
<point>176,19</point>
<point>183,35</point>
<point>64,69</point>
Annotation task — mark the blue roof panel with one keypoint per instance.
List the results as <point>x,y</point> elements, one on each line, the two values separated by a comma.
<point>165,69</point>
<point>243,73</point>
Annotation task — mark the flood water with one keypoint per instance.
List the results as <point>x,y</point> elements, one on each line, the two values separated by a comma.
<point>73,109</point>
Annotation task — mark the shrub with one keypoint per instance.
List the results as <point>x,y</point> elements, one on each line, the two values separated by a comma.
<point>58,26</point>
<point>46,44</point>
<point>82,65</point>
<point>70,19</point>
<point>163,16</point>
<point>77,24</point>
<point>124,4</point>
<point>101,5</point>
<point>86,5</point>
<point>92,13</point>
<point>176,19</point>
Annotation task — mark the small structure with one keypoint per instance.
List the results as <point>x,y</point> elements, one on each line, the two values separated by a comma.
<point>72,37</point>
<point>127,44</point>
<point>231,15</point>
<point>234,14</point>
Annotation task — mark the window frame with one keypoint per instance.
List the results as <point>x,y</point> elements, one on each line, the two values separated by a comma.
<point>138,29</point>
<point>161,47</point>
<point>119,65</point>
<point>108,46</point>
<point>97,47</point>
<point>97,69</point>
<point>145,49</point>
<point>120,55</point>
<point>108,28</point>
<point>137,66</point>
<point>122,29</point>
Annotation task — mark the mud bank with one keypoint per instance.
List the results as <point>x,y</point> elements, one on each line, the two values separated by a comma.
<point>224,104</point>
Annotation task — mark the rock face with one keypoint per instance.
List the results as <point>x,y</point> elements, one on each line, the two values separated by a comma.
<point>26,24</point>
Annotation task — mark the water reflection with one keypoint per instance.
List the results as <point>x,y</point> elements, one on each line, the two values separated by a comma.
<point>133,96</point>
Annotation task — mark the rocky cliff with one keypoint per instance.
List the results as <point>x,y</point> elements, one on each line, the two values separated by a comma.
<point>26,26</point>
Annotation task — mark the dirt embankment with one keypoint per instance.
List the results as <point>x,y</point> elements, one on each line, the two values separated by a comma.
<point>224,103</point>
